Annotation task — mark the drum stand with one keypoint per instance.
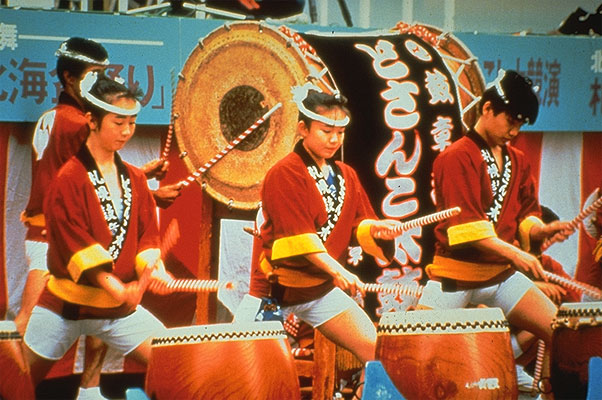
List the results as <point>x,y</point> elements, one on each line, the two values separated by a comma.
<point>178,7</point>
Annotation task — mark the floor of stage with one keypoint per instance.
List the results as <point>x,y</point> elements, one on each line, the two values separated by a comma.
<point>113,386</point>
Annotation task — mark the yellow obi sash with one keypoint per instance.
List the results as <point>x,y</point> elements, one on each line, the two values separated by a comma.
<point>291,276</point>
<point>444,267</point>
<point>84,295</point>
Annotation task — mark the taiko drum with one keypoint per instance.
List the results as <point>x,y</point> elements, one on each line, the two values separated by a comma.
<point>577,337</point>
<point>460,61</point>
<point>448,354</point>
<point>15,381</point>
<point>235,74</point>
<point>222,361</point>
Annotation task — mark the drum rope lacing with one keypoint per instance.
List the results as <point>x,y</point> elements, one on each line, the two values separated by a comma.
<point>208,337</point>
<point>434,326</point>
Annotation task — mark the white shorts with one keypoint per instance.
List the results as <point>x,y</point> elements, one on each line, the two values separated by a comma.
<point>35,252</point>
<point>50,336</point>
<point>504,295</point>
<point>314,312</point>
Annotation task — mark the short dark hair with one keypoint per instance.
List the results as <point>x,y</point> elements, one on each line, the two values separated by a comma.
<point>316,99</point>
<point>85,47</point>
<point>514,94</point>
<point>108,90</point>
<point>548,215</point>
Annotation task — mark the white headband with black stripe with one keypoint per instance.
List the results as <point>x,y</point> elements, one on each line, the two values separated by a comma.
<point>300,93</point>
<point>85,87</point>
<point>63,51</point>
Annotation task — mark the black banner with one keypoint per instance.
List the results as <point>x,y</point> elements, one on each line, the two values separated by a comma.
<point>405,110</point>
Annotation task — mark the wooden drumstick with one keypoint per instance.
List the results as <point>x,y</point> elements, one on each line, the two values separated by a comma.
<point>197,174</point>
<point>174,116</point>
<point>541,349</point>
<point>397,288</point>
<point>191,285</point>
<point>575,222</point>
<point>589,290</point>
<point>427,219</point>
<point>170,237</point>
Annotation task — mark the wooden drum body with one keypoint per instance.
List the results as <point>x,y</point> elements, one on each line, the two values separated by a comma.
<point>448,354</point>
<point>577,337</point>
<point>15,381</point>
<point>223,361</point>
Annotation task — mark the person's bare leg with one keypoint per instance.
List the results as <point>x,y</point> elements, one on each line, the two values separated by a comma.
<point>534,313</point>
<point>142,352</point>
<point>35,283</point>
<point>38,366</point>
<point>94,357</point>
<point>528,344</point>
<point>354,331</point>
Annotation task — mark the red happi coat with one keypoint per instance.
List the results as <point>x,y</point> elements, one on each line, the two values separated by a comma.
<point>294,210</point>
<point>78,239</point>
<point>67,130</point>
<point>461,179</point>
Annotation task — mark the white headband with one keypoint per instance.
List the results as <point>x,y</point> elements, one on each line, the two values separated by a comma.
<point>300,94</point>
<point>497,83</point>
<point>63,51</point>
<point>86,85</point>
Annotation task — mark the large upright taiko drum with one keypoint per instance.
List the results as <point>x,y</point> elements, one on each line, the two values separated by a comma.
<point>231,79</point>
<point>223,361</point>
<point>463,65</point>
<point>448,354</point>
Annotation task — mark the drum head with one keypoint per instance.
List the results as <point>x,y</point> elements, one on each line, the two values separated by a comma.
<point>233,77</point>
<point>462,64</point>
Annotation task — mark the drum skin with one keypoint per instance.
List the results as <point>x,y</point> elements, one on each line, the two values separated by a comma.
<point>451,354</point>
<point>223,361</point>
<point>15,381</point>
<point>576,338</point>
<point>233,77</point>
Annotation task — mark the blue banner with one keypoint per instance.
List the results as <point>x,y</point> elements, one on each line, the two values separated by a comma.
<point>150,51</point>
<point>567,69</point>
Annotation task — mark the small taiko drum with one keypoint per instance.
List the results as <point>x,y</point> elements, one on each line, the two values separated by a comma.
<point>223,361</point>
<point>15,381</point>
<point>576,338</point>
<point>448,354</point>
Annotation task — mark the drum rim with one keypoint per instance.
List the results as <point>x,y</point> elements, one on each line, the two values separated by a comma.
<point>448,321</point>
<point>235,193</point>
<point>8,331</point>
<point>195,334</point>
<point>576,315</point>
<point>580,307</point>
